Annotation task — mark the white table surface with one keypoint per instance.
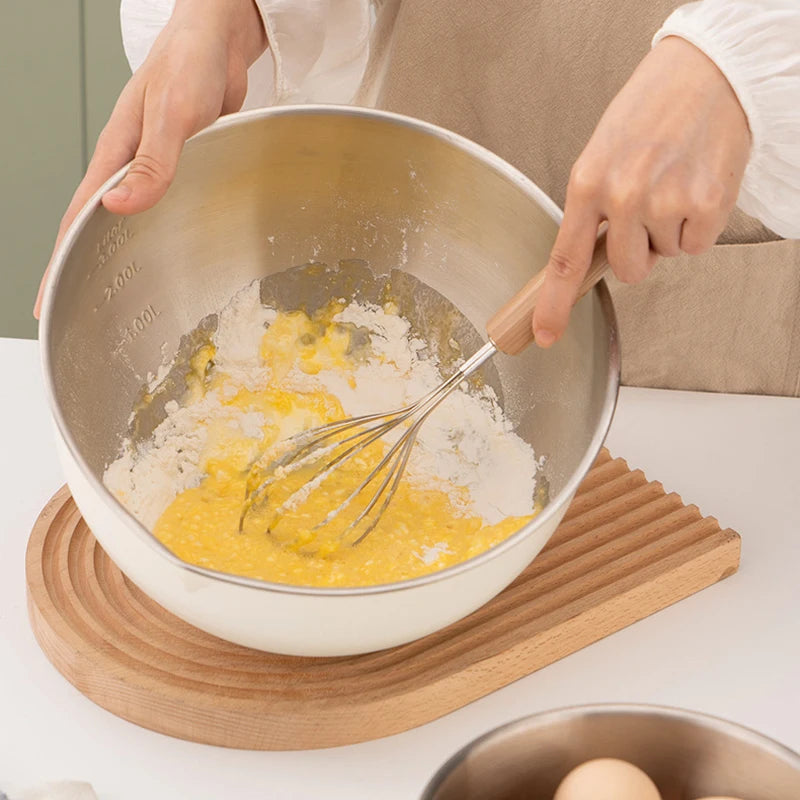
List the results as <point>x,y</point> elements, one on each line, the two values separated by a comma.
<point>733,650</point>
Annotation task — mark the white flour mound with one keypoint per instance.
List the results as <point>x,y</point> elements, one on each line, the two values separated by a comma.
<point>466,442</point>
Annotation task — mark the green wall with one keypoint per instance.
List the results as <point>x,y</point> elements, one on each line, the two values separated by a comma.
<point>63,68</point>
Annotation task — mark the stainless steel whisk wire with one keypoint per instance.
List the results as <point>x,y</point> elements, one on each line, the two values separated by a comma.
<point>509,331</point>
<point>396,458</point>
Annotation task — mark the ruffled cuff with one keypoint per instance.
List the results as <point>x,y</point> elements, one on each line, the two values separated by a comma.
<point>319,48</point>
<point>754,43</point>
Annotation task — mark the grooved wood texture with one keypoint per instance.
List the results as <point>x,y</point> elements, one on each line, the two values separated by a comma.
<point>624,550</point>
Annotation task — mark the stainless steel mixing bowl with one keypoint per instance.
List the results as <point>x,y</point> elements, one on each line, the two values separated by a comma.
<point>688,755</point>
<point>262,191</point>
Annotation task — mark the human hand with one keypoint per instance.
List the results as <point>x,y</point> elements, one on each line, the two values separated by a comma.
<point>663,168</point>
<point>195,72</point>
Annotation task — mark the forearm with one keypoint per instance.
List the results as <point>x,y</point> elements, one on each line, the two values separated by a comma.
<point>755,45</point>
<point>238,21</point>
<point>142,21</point>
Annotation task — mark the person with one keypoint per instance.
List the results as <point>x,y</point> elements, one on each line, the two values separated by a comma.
<point>655,118</point>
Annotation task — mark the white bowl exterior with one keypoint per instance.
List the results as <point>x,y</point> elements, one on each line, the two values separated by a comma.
<point>293,623</point>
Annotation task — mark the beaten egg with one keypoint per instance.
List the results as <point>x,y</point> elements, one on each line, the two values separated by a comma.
<point>421,531</point>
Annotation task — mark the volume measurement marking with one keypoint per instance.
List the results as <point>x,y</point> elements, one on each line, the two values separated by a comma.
<point>112,242</point>
<point>138,325</point>
<point>120,281</point>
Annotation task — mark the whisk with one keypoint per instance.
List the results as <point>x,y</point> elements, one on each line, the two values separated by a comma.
<point>315,454</point>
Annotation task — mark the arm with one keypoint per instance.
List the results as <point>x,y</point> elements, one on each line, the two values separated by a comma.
<point>191,59</point>
<point>756,45</point>
<point>712,113</point>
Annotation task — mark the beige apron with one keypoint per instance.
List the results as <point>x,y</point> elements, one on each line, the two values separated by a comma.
<point>529,79</point>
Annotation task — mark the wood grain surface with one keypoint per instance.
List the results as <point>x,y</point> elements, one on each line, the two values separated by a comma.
<point>625,549</point>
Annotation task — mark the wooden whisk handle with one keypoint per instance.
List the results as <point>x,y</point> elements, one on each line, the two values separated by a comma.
<point>510,328</point>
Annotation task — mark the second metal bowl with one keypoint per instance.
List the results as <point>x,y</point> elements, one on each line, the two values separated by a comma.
<point>688,756</point>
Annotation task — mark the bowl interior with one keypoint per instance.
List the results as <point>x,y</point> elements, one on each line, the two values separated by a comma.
<point>261,192</point>
<point>688,757</point>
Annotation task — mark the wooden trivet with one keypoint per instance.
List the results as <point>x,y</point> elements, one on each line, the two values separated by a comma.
<point>624,550</point>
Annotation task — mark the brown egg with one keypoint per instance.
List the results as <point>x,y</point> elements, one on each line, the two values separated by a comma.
<point>607,779</point>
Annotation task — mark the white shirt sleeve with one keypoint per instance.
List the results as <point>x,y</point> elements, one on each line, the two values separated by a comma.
<point>756,45</point>
<point>318,49</point>
<point>141,21</point>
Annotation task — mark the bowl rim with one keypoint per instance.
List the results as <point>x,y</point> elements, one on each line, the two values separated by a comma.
<point>544,718</point>
<point>484,155</point>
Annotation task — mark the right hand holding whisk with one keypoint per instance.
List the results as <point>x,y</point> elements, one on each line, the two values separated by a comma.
<point>663,167</point>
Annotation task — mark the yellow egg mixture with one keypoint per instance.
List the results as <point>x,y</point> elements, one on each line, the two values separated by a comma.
<point>421,531</point>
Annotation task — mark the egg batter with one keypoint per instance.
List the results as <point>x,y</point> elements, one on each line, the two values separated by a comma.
<point>314,370</point>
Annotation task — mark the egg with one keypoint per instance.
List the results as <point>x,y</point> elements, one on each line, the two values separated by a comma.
<point>202,523</point>
<point>607,779</point>
<point>720,797</point>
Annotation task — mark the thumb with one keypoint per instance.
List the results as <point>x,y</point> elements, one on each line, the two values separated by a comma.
<point>569,261</point>
<point>153,167</point>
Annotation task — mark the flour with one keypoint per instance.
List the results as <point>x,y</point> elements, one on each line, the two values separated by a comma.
<point>240,326</point>
<point>466,447</point>
<point>430,555</point>
<point>466,442</point>
<point>147,479</point>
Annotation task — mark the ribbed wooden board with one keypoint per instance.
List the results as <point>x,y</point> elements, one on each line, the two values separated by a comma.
<point>624,550</point>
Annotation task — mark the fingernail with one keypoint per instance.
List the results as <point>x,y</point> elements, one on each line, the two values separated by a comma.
<point>119,194</point>
<point>544,338</point>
